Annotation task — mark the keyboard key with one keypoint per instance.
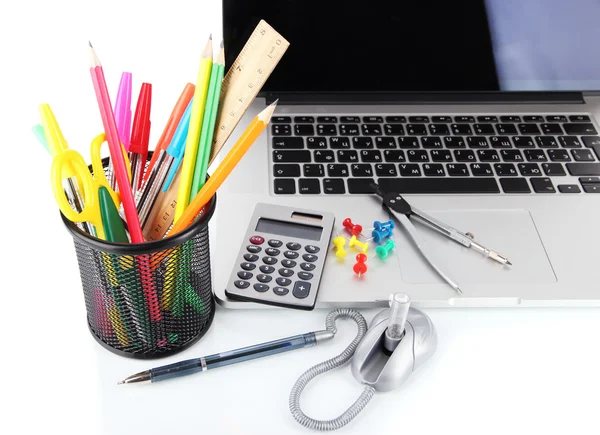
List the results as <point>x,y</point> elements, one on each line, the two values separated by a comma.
<point>439,129</point>
<point>569,188</point>
<point>336,143</point>
<point>464,156</point>
<point>461,129</point>
<point>291,156</point>
<point>487,118</point>
<point>454,142</point>
<point>312,249</point>
<point>281,130</point>
<point>506,129</point>
<point>274,243</point>
<point>542,185</point>
<point>535,155</point>
<point>417,156</point>
<point>457,170</point>
<point>569,142</point>
<point>530,169</point>
<point>250,257</point>
<point>253,249</point>
<point>241,284</point>
<point>511,155</point>
<point>347,156</point>
<point>500,142</point>
<point>324,156</point>
<point>288,143</point>
<point>291,255</point>
<point>528,129</point>
<point>481,170</point>
<point>556,118</point>
<point>309,186</point>
<point>371,129</point>
<point>307,266</point>
<point>579,118</point>
<point>434,170</point>
<point>441,155</point>
<point>314,170</point>
<point>269,260</point>
<point>349,129</point>
<point>360,185</point>
<point>284,186</point>
<point>293,246</point>
<point>337,170</point>
<point>304,130</point>
<point>515,185</point>
<point>248,266</point>
<point>418,119</point>
<point>431,142</point>
<point>583,168</point>
<point>589,180</point>
<point>488,156</point>
<point>264,278</point>
<point>477,142</point>
<point>286,273</point>
<point>244,275</point>
<point>395,119</point>
<point>385,142</point>
<point>362,170</point>
<point>385,170</point>
<point>332,186</point>
<point>371,156</point>
<point>301,289</point>
<point>546,142</point>
<point>283,281</point>
<point>559,155</point>
<point>582,155</point>
<point>361,143</point>
<point>281,119</point>
<point>551,129</point>
<point>286,170</point>
<point>554,169</point>
<point>484,129</point>
<point>408,142</point>
<point>394,156</point>
<point>327,119</point>
<point>416,129</point>
<point>591,188</point>
<point>349,119</point>
<point>304,119</point>
<point>464,119</point>
<point>580,128</point>
<point>523,142</point>
<point>326,129</point>
<point>272,252</point>
<point>440,185</point>
<point>394,129</point>
<point>410,170</point>
<point>316,143</point>
<point>505,169</point>
<point>590,141</point>
<point>305,275</point>
<point>510,118</point>
<point>280,291</point>
<point>533,118</point>
<point>372,119</point>
<point>441,119</point>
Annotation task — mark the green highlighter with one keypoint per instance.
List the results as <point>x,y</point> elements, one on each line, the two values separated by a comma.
<point>113,225</point>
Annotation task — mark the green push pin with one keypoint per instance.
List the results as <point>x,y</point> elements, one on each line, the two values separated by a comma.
<point>383,251</point>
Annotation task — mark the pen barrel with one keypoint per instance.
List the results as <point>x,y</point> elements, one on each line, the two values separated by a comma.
<point>153,186</point>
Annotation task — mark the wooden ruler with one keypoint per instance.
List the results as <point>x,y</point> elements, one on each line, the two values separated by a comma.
<point>245,78</point>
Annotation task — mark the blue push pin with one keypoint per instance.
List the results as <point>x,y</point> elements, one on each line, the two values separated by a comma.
<point>382,226</point>
<point>382,230</point>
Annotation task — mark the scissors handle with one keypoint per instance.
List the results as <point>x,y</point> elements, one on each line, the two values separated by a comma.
<point>98,168</point>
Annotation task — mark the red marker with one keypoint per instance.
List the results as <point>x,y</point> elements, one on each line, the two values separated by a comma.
<point>140,136</point>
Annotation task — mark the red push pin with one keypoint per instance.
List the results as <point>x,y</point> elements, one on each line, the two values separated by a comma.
<point>360,268</point>
<point>355,230</point>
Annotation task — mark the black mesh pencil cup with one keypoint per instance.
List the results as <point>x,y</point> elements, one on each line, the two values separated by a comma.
<point>147,300</point>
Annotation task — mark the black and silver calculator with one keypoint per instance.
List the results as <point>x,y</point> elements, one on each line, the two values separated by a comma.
<point>282,256</point>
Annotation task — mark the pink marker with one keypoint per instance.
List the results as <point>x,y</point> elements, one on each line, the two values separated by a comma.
<point>123,109</point>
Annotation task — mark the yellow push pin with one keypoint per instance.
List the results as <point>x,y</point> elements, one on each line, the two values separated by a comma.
<point>339,242</point>
<point>354,242</point>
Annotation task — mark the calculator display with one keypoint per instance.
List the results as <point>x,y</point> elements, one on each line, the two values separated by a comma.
<point>289,229</point>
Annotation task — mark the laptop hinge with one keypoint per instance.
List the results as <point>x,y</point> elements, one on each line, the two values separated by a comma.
<point>426,98</point>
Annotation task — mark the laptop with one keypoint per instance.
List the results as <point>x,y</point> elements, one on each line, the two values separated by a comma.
<point>480,113</point>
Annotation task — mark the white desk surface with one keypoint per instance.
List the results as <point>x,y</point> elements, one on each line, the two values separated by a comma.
<point>496,371</point>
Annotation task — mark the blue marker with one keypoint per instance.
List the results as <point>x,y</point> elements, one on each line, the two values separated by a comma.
<point>177,146</point>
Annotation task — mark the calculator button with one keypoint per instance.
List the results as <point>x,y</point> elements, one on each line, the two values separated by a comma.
<point>275,243</point>
<point>283,281</point>
<point>253,249</point>
<point>261,287</point>
<point>269,260</point>
<point>264,278</point>
<point>242,284</point>
<point>272,252</point>
<point>293,246</point>
<point>267,269</point>
<point>244,275</point>
<point>301,289</point>
<point>311,249</point>
<point>257,240</point>
<point>310,258</point>
<point>280,291</point>
<point>250,257</point>
<point>288,263</point>
<point>305,275</point>
<point>291,254</point>
<point>248,266</point>
<point>308,266</point>
<point>286,272</point>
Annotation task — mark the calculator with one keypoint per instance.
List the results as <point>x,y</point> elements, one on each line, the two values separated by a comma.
<point>282,256</point>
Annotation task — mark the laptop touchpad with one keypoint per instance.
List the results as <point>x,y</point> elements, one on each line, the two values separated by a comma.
<point>511,233</point>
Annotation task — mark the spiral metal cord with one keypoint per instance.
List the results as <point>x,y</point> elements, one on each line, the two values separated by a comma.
<point>341,359</point>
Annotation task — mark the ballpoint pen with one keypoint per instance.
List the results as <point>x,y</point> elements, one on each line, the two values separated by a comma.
<point>222,359</point>
<point>140,136</point>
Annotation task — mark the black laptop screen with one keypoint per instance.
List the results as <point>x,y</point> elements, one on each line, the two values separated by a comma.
<point>425,45</point>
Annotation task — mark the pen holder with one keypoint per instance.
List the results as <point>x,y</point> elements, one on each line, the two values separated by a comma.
<point>147,300</point>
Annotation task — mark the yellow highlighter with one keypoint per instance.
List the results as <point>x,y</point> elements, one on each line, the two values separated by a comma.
<point>193,138</point>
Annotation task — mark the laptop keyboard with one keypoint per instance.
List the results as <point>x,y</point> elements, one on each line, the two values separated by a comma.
<point>423,154</point>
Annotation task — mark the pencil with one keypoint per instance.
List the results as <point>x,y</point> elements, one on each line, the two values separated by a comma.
<point>256,127</point>
<point>191,145</point>
<point>208,123</point>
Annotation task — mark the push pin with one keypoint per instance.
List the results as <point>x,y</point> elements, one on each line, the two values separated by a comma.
<point>382,226</point>
<point>383,251</point>
<point>355,230</point>
<point>354,242</point>
<point>379,235</point>
<point>339,242</point>
<point>360,268</point>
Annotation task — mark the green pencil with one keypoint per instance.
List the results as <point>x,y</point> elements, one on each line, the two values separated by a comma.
<point>208,123</point>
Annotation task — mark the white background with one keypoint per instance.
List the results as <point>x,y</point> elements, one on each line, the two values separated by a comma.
<point>497,371</point>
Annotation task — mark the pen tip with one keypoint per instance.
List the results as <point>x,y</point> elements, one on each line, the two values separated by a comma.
<point>509,263</point>
<point>120,382</point>
<point>90,42</point>
<point>210,36</point>
<point>274,103</point>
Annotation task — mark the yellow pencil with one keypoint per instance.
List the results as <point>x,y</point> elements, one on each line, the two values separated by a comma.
<point>193,137</point>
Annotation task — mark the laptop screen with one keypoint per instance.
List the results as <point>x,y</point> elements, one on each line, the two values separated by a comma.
<point>425,45</point>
